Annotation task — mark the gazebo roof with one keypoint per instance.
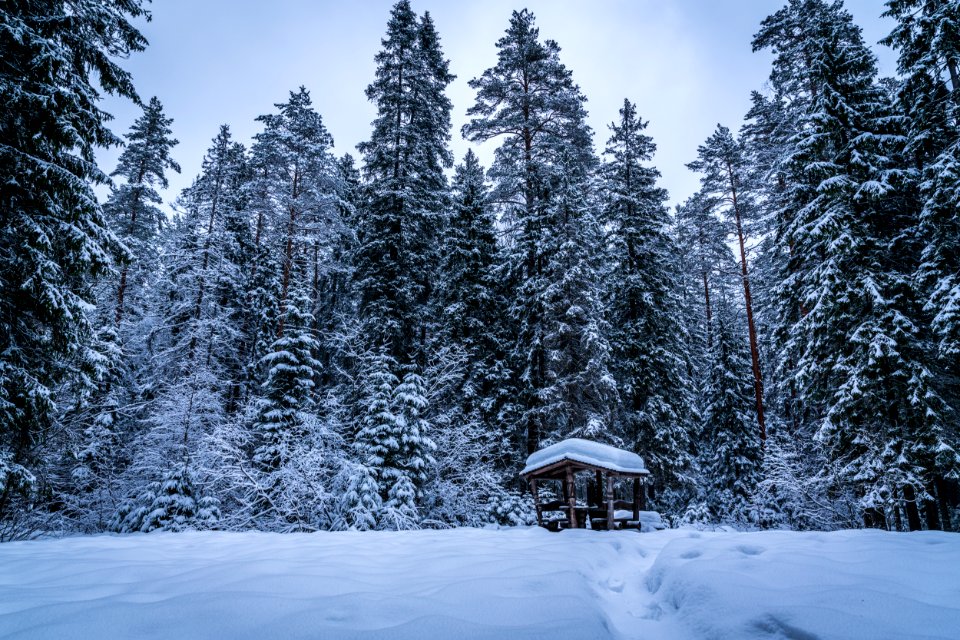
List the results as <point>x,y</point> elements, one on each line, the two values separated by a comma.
<point>586,453</point>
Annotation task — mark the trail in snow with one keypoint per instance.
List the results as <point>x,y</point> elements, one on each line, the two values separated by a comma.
<point>470,583</point>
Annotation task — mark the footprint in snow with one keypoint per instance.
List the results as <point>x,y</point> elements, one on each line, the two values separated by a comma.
<point>690,555</point>
<point>750,550</point>
<point>614,585</point>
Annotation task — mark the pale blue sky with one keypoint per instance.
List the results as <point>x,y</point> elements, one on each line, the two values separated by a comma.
<point>686,63</point>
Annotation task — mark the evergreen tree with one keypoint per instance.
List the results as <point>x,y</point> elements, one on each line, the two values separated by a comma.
<point>928,41</point>
<point>544,165</point>
<point>57,57</point>
<point>404,160</point>
<point>132,207</point>
<point>175,503</point>
<point>470,301</point>
<point>724,165</point>
<point>393,442</point>
<point>703,259</point>
<point>397,258</point>
<point>860,355</point>
<point>649,344</point>
<point>288,390</point>
<point>467,292</point>
<point>103,423</point>
<point>731,454</point>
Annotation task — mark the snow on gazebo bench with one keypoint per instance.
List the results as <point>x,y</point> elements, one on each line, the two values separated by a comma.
<point>563,460</point>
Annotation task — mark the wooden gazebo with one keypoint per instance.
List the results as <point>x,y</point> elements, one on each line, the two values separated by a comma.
<point>563,461</point>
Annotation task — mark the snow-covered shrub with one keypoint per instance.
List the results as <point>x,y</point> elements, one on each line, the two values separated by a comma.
<point>172,504</point>
<point>299,495</point>
<point>697,514</point>
<point>511,509</point>
<point>795,491</point>
<point>360,503</point>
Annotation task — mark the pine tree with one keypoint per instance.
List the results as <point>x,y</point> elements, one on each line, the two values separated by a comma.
<point>545,165</point>
<point>57,57</point>
<point>723,163</point>
<point>132,207</point>
<point>731,455</point>
<point>648,340</point>
<point>404,160</point>
<point>860,356</point>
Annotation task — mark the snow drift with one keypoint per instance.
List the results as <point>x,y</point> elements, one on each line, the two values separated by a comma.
<point>470,583</point>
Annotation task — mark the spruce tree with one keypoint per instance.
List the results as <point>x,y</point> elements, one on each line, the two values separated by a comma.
<point>860,354</point>
<point>731,455</point>
<point>544,167</point>
<point>396,263</point>
<point>470,299</point>
<point>57,58</point>
<point>132,207</point>
<point>405,199</point>
<point>928,41</point>
<point>288,389</point>
<point>643,299</point>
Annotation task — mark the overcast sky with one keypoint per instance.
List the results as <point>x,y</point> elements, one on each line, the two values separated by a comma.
<point>687,64</point>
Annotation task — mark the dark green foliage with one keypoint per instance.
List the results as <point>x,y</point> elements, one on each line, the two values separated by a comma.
<point>53,235</point>
<point>648,339</point>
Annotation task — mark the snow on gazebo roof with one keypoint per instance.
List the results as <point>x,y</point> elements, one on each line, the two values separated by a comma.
<point>590,453</point>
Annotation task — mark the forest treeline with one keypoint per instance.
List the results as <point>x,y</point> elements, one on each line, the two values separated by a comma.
<point>316,342</point>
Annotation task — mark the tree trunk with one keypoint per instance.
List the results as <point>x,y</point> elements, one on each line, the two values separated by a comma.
<point>910,504</point>
<point>706,299</point>
<point>943,491</point>
<point>930,510</point>
<point>748,300</point>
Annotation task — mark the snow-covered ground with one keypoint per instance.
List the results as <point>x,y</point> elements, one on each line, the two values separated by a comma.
<point>469,583</point>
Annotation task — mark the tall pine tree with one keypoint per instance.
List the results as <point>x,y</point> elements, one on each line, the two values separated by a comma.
<point>649,344</point>
<point>57,57</point>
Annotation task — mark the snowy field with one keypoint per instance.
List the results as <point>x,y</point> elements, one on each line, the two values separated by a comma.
<point>469,583</point>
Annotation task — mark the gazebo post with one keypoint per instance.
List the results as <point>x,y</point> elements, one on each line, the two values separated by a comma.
<point>572,497</point>
<point>636,500</point>
<point>610,510</point>
<point>536,501</point>
<point>599,492</point>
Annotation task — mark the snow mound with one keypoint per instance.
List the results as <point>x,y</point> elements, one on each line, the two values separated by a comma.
<point>587,452</point>
<point>518,583</point>
<point>847,585</point>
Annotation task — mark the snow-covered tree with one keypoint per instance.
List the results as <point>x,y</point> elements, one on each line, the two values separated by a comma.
<point>57,58</point>
<point>723,164</point>
<point>406,192</point>
<point>132,206</point>
<point>861,358</point>
<point>393,441</point>
<point>731,453</point>
<point>928,41</point>
<point>543,169</point>
<point>649,345</point>
<point>469,296</point>
<point>175,503</point>
<point>288,389</point>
